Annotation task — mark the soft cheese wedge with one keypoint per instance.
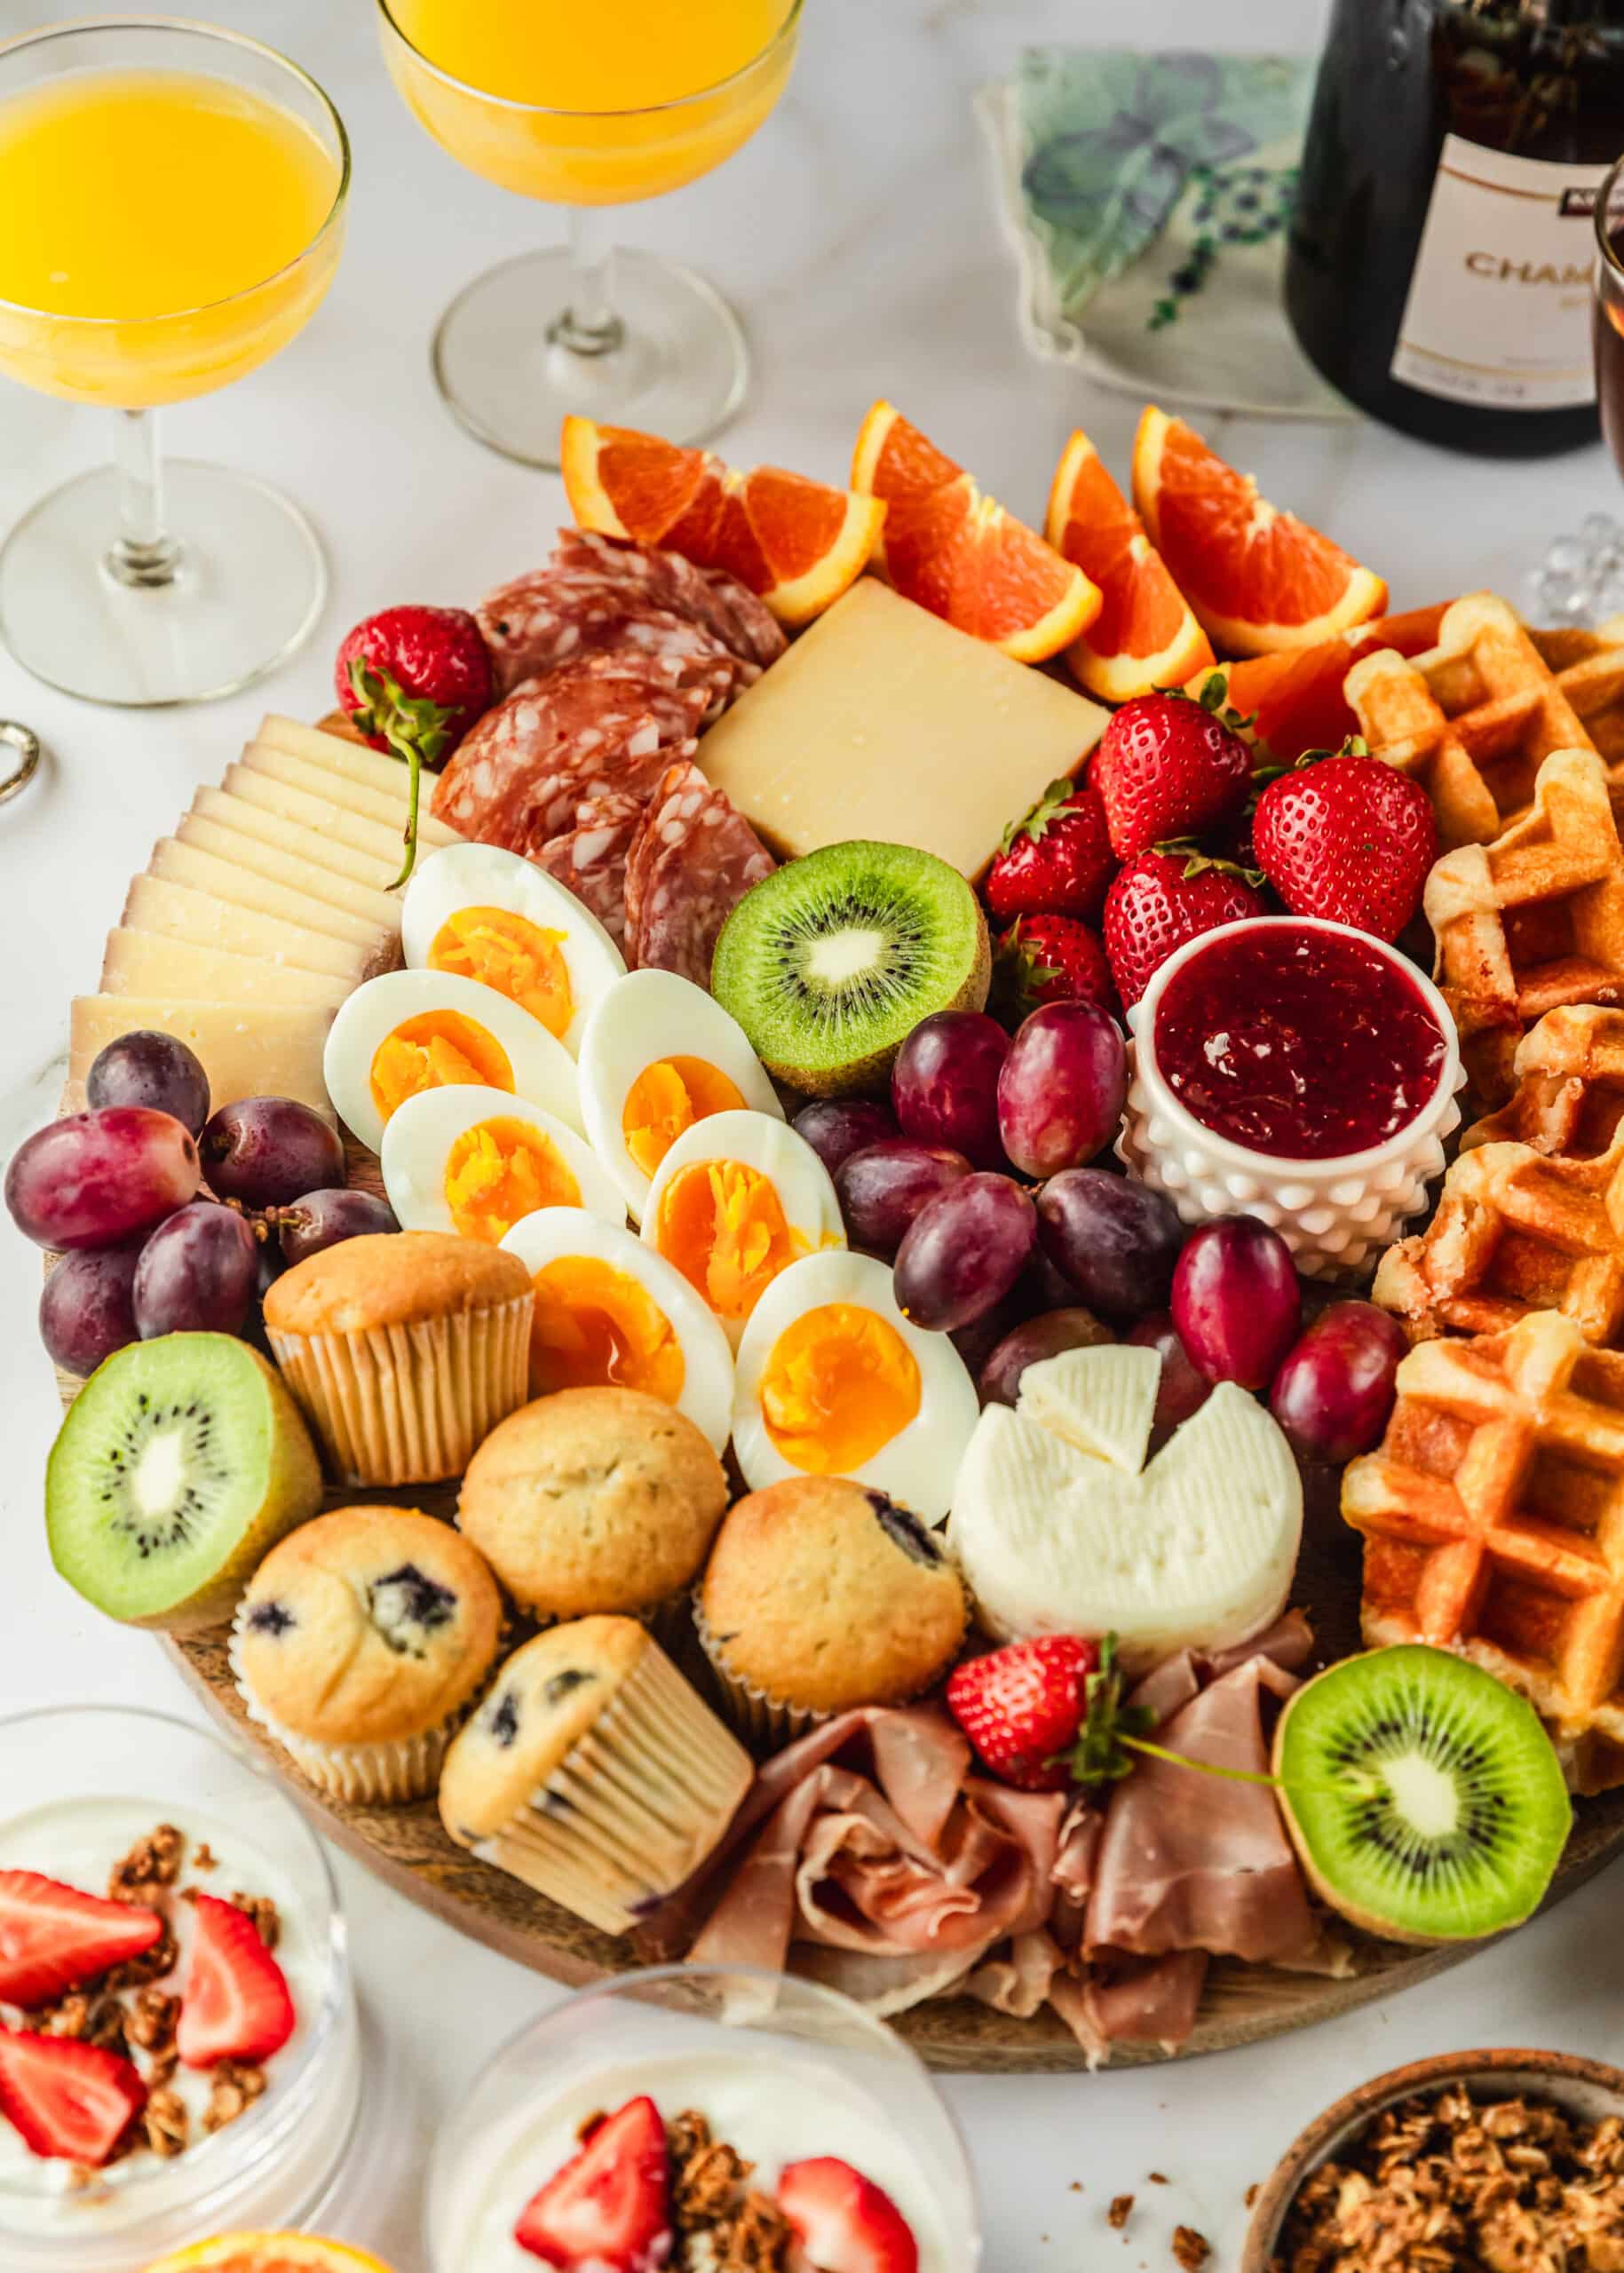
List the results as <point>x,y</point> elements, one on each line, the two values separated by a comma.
<point>1195,1550</point>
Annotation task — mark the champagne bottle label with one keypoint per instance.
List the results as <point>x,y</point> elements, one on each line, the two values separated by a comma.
<point>1499,305</point>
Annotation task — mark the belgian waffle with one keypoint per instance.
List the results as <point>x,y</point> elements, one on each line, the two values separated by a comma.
<point>1494,1521</point>
<point>1515,1231</point>
<point>1569,1099</point>
<point>1474,718</point>
<point>1533,922</point>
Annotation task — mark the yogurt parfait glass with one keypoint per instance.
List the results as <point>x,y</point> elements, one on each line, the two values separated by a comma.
<point>781,2069</point>
<point>79,1786</point>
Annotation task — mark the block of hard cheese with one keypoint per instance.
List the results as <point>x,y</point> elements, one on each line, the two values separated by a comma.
<point>137,962</point>
<point>246,1053</point>
<point>882,721</point>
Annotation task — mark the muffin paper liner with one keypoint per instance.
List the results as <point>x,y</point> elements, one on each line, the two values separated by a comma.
<point>410,1403</point>
<point>768,1723</point>
<point>633,1807</point>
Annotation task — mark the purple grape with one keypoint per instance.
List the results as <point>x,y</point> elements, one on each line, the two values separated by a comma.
<point>944,1086</point>
<point>1115,1240</point>
<point>1028,1345</point>
<point>86,1311</point>
<point>1042,1286</point>
<point>94,1179</point>
<point>1181,1390</point>
<point>883,1187</point>
<point>1337,1386</point>
<point>266,1152</point>
<point>1061,1088</point>
<point>837,1126</point>
<point>322,1219</point>
<point>1236,1303</point>
<point>197,1274</point>
<point>963,1251</point>
<point>153,1069</point>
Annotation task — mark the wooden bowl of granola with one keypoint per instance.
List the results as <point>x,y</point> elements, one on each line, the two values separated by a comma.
<point>1471,2159</point>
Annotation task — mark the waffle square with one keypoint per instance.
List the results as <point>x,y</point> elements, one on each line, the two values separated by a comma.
<point>1569,1099</point>
<point>1492,1516</point>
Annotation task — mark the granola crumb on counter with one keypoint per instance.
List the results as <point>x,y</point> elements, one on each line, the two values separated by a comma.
<point>722,2227</point>
<point>1252,2193</point>
<point>154,1861</point>
<point>1158,2178</point>
<point>1190,2250</point>
<point>1119,2212</point>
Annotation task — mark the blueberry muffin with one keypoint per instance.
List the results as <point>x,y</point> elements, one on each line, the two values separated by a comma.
<point>593,1772</point>
<point>819,1596</point>
<point>361,1644</point>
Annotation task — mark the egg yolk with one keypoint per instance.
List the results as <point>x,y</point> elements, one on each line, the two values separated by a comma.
<point>499,1170</point>
<point>723,1225</point>
<point>518,958</point>
<point>666,1097</point>
<point>595,1327</point>
<point>837,1386</point>
<point>437,1049</point>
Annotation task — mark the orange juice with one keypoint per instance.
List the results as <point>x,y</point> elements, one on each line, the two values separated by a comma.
<point>578,89</point>
<point>170,208</point>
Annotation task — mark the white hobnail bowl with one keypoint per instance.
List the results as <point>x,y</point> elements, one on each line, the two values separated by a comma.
<point>1335,1215</point>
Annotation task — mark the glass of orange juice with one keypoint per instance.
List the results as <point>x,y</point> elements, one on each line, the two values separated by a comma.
<point>589,106</point>
<point>171,210</point>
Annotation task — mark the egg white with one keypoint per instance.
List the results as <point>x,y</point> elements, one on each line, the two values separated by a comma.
<point>419,1136</point>
<point>552,1233</point>
<point>917,1467</point>
<point>484,875</point>
<point>544,1071</point>
<point>644,1016</point>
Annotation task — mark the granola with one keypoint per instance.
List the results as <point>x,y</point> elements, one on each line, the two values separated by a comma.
<point>234,2086</point>
<point>722,2225</point>
<point>1190,2250</point>
<point>262,1911</point>
<point>1119,2212</point>
<point>154,1861</point>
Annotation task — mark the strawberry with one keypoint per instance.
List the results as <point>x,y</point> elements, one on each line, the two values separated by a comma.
<point>843,2221</point>
<point>1057,861</point>
<point>1163,899</point>
<point>1167,765</point>
<point>73,2102</point>
<point>1049,959</point>
<point>608,2210</point>
<point>53,1938</point>
<point>1021,1708</point>
<point>412,680</point>
<point>1347,837</point>
<point>234,2005</point>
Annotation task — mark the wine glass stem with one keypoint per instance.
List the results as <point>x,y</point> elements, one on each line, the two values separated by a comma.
<point>143,554</point>
<point>587,325</point>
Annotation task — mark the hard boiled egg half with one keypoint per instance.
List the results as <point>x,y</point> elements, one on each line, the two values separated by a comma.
<point>415,1030</point>
<point>658,1055</point>
<point>737,1199</point>
<point>831,1379</point>
<point>490,916</point>
<point>608,1311</point>
<point>475,1160</point>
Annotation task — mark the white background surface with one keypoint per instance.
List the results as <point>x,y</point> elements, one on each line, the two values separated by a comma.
<point>857,236</point>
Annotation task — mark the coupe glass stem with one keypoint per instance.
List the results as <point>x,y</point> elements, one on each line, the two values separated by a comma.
<point>587,325</point>
<point>142,555</point>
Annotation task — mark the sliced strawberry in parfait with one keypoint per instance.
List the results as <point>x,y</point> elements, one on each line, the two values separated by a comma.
<point>608,2210</point>
<point>71,2102</point>
<point>54,1938</point>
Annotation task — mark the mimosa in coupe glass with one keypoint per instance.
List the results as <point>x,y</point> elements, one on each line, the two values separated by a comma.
<point>171,203</point>
<point>588,105</point>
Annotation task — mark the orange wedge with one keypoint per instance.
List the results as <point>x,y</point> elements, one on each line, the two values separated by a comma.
<point>1257,578</point>
<point>1145,634</point>
<point>1295,697</point>
<point>268,2253</point>
<point>958,553</point>
<point>798,543</point>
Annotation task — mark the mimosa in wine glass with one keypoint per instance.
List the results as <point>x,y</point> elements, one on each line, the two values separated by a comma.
<point>172,203</point>
<point>588,107</point>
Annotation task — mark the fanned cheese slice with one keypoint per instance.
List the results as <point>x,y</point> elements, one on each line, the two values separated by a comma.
<point>173,911</point>
<point>1100,1400</point>
<point>370,920</point>
<point>137,963</point>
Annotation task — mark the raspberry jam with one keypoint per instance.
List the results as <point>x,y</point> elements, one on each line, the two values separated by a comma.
<point>1302,1043</point>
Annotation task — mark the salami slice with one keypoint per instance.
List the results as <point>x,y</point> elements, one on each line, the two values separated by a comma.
<point>693,859</point>
<point>711,596</point>
<point>589,860</point>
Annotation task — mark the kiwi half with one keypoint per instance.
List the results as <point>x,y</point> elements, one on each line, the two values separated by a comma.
<point>1423,1796</point>
<point>180,1462</point>
<point>831,962</point>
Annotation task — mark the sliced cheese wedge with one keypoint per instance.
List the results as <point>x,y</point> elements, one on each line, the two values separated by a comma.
<point>380,839</point>
<point>136,963</point>
<point>356,917</point>
<point>307,783</point>
<point>337,755</point>
<point>246,1053</point>
<point>1105,1408</point>
<point>172,911</point>
<point>282,849</point>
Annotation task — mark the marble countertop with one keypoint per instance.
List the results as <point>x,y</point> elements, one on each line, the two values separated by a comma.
<point>858,238</point>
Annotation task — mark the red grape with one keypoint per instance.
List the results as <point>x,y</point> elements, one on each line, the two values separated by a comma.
<point>86,1311</point>
<point>92,1179</point>
<point>1060,1089</point>
<point>1236,1302</point>
<point>1181,1390</point>
<point>268,1150</point>
<point>837,1126</point>
<point>1028,1345</point>
<point>963,1251</point>
<point>322,1219</point>
<point>1114,1239</point>
<point>883,1187</point>
<point>1335,1388</point>
<point>147,1068</point>
<point>198,1274</point>
<point>944,1086</point>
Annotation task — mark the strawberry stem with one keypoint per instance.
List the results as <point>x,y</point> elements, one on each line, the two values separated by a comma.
<point>415,729</point>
